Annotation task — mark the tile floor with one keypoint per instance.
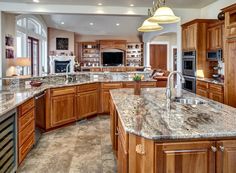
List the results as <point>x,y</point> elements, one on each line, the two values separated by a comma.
<point>81,148</point>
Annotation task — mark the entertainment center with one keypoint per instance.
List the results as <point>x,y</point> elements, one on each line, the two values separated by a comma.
<point>114,55</point>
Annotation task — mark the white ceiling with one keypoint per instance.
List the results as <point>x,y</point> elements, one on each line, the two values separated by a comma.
<point>102,24</point>
<point>137,3</point>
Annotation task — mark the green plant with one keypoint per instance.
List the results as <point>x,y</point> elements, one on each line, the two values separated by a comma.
<point>137,78</point>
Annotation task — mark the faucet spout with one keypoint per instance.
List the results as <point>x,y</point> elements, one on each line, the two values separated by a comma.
<point>168,88</point>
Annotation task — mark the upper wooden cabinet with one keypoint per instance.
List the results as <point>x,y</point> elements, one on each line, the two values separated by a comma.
<point>215,36</point>
<point>230,21</point>
<point>113,44</point>
<point>185,157</point>
<point>189,37</point>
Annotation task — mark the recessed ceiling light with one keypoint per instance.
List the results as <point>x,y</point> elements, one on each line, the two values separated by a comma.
<point>62,23</point>
<point>36,1</point>
<point>117,24</point>
<point>100,4</point>
<point>91,23</point>
<point>131,5</point>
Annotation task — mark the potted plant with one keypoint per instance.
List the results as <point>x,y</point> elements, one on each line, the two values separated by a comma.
<point>137,84</point>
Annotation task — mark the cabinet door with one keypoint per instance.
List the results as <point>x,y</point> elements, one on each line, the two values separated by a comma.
<point>226,156</point>
<point>122,158</point>
<point>219,97</point>
<point>203,93</point>
<point>62,110</point>
<point>230,73</point>
<point>113,126</point>
<point>105,101</point>
<point>185,157</point>
<point>218,36</point>
<point>211,39</point>
<point>192,37</point>
<point>87,104</point>
<point>185,38</point>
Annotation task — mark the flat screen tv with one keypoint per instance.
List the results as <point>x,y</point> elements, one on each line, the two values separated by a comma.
<point>112,58</point>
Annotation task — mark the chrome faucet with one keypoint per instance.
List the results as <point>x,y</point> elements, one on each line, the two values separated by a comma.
<point>168,88</point>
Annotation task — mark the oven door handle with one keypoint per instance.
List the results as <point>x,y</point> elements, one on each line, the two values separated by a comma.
<point>42,95</point>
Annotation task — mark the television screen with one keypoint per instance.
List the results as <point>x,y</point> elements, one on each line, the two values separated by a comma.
<point>112,58</point>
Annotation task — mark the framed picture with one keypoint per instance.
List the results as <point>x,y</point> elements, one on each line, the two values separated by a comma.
<point>62,43</point>
<point>9,41</point>
<point>9,53</point>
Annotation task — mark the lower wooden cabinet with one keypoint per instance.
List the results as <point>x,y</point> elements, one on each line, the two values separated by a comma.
<point>185,157</point>
<point>62,110</point>
<point>113,127</point>
<point>87,104</point>
<point>122,158</point>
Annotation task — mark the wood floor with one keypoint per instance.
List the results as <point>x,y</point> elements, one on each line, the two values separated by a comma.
<point>81,148</point>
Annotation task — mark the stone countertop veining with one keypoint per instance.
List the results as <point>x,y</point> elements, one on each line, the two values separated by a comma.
<point>148,116</point>
<point>10,98</point>
<point>212,80</point>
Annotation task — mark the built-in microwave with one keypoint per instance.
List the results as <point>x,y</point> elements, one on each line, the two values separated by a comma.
<point>189,63</point>
<point>214,55</point>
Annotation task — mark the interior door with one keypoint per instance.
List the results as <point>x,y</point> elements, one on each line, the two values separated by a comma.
<point>33,53</point>
<point>158,56</point>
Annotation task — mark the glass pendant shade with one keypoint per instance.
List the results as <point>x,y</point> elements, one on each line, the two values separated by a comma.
<point>164,15</point>
<point>149,27</point>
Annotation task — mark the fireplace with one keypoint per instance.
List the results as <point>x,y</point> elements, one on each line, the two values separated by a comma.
<point>58,64</point>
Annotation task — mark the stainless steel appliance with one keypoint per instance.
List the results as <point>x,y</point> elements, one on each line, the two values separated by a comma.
<point>40,118</point>
<point>214,55</point>
<point>189,63</point>
<point>190,84</point>
<point>8,142</point>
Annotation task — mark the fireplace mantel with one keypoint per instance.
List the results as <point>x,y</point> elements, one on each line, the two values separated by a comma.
<point>61,58</point>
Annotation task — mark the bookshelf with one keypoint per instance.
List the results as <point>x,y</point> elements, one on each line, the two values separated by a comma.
<point>90,54</point>
<point>134,54</point>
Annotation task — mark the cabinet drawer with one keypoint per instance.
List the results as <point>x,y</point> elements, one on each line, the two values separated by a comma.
<point>128,85</point>
<point>63,91</point>
<point>25,133</point>
<point>202,85</point>
<point>216,88</point>
<point>87,87</point>
<point>25,107</point>
<point>25,119</point>
<point>111,85</point>
<point>123,136</point>
<point>148,84</point>
<point>25,148</point>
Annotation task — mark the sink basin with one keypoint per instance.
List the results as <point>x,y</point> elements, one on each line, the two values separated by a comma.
<point>190,101</point>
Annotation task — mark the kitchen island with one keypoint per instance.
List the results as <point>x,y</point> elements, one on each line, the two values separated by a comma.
<point>151,135</point>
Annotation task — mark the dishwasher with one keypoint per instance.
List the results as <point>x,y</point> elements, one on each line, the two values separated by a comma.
<point>8,142</point>
<point>40,119</point>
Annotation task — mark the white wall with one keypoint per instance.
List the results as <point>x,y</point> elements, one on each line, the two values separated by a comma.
<point>1,47</point>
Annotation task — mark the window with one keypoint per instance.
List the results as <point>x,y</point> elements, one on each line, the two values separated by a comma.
<point>30,28</point>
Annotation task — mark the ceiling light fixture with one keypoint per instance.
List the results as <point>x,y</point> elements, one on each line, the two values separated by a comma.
<point>162,14</point>
<point>62,23</point>
<point>117,24</point>
<point>131,5</point>
<point>100,4</point>
<point>36,1</point>
<point>91,23</point>
<point>149,27</point>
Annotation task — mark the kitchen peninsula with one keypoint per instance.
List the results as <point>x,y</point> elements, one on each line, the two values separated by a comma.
<point>149,135</point>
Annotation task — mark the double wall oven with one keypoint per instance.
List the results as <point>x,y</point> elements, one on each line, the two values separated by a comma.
<point>189,70</point>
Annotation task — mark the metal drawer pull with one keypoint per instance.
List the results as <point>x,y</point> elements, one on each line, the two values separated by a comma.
<point>140,149</point>
<point>214,149</point>
<point>222,148</point>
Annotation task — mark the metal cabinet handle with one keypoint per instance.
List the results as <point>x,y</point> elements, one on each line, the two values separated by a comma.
<point>214,149</point>
<point>222,148</point>
<point>38,97</point>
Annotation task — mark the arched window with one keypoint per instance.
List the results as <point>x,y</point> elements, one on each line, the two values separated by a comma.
<point>31,42</point>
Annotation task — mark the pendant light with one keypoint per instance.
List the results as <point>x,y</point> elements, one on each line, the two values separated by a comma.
<point>164,15</point>
<point>149,27</point>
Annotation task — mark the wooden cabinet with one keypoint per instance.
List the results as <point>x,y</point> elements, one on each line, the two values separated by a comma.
<point>230,21</point>
<point>105,94</point>
<point>189,37</point>
<point>113,127</point>
<point>215,36</point>
<point>62,106</point>
<point>185,157</point>
<point>144,84</point>
<point>87,100</point>
<point>226,156</point>
<point>26,129</point>
<point>209,90</point>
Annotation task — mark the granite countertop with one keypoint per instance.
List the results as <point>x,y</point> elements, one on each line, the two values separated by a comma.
<point>149,116</point>
<point>212,80</point>
<point>10,98</point>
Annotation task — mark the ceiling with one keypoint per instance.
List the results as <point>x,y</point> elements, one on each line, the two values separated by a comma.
<point>137,3</point>
<point>102,24</point>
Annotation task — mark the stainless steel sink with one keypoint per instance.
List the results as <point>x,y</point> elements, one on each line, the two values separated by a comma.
<point>190,101</point>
